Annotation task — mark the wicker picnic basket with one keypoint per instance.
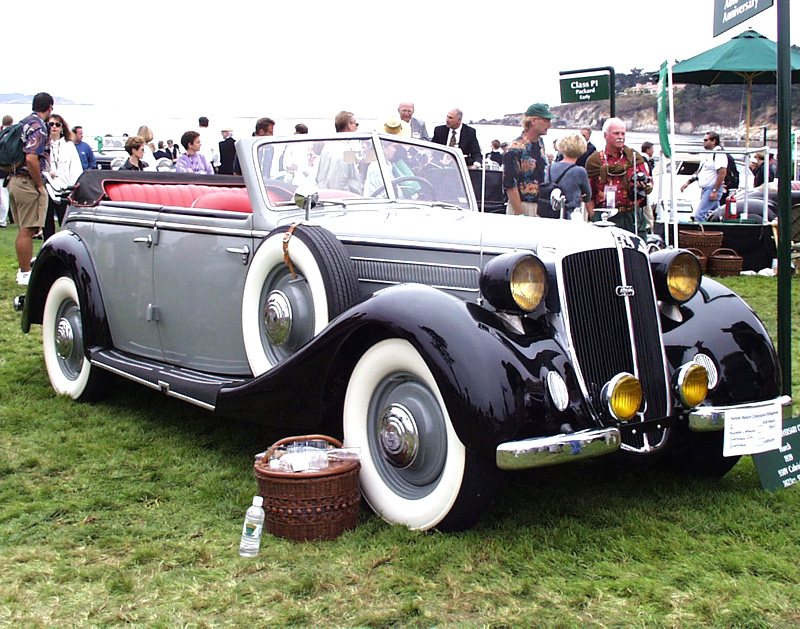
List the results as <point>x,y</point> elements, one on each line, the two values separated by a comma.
<point>313,505</point>
<point>705,241</point>
<point>700,256</point>
<point>724,262</point>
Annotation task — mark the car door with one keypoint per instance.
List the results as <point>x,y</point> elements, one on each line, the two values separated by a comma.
<point>200,265</point>
<point>124,239</point>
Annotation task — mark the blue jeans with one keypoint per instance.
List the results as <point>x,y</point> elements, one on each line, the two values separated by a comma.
<point>706,205</point>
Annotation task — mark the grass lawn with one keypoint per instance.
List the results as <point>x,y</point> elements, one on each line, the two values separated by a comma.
<point>129,512</point>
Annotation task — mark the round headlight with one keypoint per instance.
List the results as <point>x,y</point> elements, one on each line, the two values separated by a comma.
<point>676,274</point>
<point>528,283</point>
<point>514,282</point>
<point>683,276</point>
<point>623,395</point>
<point>691,384</point>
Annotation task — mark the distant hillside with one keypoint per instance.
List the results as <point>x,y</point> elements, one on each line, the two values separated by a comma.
<point>697,109</point>
<point>27,99</point>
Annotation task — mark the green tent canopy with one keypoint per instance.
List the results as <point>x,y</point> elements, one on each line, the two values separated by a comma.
<point>746,59</point>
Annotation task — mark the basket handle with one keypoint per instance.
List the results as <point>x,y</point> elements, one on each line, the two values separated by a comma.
<point>286,440</point>
<point>724,251</point>
<point>696,252</point>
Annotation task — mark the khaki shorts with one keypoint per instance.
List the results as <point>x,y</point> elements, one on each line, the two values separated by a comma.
<point>28,207</point>
<point>528,209</point>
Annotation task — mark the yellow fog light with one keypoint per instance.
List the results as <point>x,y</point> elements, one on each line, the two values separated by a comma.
<point>623,395</point>
<point>691,384</point>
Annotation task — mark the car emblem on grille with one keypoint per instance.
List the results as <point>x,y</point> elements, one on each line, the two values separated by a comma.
<point>625,291</point>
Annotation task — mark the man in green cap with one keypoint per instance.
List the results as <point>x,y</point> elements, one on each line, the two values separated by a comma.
<point>524,162</point>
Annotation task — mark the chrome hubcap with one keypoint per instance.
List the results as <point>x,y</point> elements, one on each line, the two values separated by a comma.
<point>65,338</point>
<point>398,436</point>
<point>278,318</point>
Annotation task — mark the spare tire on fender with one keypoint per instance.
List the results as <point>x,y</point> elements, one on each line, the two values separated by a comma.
<point>301,277</point>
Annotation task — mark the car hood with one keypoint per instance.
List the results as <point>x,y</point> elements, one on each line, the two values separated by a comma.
<point>444,228</point>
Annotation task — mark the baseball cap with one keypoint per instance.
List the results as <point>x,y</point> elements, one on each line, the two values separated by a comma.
<point>541,110</point>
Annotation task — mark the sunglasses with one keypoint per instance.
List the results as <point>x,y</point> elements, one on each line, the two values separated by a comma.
<point>54,124</point>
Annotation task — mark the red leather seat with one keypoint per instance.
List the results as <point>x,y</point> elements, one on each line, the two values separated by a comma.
<point>181,195</point>
<point>235,200</point>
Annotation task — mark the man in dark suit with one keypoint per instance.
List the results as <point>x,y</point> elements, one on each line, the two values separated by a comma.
<point>453,133</point>
<point>227,152</point>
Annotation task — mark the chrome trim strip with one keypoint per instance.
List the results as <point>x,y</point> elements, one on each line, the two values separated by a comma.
<point>711,418</point>
<point>563,448</point>
<point>164,225</point>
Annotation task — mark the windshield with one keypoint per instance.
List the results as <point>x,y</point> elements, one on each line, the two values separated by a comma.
<point>356,169</point>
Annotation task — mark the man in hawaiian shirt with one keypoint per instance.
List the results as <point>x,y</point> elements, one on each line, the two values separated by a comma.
<point>524,162</point>
<point>26,192</point>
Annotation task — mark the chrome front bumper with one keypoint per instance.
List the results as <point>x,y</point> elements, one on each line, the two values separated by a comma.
<point>564,448</point>
<point>711,418</point>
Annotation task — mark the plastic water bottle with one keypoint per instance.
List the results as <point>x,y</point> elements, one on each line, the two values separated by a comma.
<point>253,525</point>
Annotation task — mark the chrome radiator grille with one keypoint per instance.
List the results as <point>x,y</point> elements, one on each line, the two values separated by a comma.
<point>607,339</point>
<point>443,276</point>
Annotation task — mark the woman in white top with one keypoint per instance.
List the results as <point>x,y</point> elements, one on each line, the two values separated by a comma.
<point>63,169</point>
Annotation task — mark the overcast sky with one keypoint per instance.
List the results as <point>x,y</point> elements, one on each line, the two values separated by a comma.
<point>300,58</point>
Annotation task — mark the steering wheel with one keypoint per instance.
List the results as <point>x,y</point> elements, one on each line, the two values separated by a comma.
<point>426,192</point>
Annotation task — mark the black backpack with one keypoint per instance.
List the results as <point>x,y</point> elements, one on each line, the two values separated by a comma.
<point>732,176</point>
<point>12,153</point>
<point>545,209</point>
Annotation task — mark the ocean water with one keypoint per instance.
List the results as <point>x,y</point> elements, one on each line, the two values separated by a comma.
<point>105,120</point>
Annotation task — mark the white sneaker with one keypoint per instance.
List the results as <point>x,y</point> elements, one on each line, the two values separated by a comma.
<point>23,277</point>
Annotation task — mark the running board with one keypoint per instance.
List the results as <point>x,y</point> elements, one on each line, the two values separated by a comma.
<point>191,386</point>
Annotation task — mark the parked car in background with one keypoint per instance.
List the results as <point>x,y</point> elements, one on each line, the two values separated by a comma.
<point>111,154</point>
<point>348,285</point>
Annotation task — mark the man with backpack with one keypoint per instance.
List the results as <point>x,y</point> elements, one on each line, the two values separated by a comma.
<point>711,176</point>
<point>7,122</point>
<point>27,195</point>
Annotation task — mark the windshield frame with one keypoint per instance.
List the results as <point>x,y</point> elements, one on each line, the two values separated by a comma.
<point>273,190</point>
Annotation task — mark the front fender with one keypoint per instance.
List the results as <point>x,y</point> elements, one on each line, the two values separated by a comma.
<point>717,322</point>
<point>491,379</point>
<point>66,254</point>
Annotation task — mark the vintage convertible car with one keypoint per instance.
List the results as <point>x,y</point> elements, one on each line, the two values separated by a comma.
<point>348,285</point>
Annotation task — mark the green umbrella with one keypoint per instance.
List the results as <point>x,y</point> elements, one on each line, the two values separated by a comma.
<point>747,58</point>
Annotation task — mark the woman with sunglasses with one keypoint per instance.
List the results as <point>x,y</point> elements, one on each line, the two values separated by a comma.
<point>135,147</point>
<point>63,169</point>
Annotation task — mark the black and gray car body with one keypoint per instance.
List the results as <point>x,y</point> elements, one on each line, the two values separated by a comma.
<point>443,342</point>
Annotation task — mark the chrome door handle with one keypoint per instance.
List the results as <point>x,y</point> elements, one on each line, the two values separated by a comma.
<point>148,240</point>
<point>244,252</point>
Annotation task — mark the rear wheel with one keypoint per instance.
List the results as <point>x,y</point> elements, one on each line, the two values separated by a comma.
<point>69,370</point>
<point>414,469</point>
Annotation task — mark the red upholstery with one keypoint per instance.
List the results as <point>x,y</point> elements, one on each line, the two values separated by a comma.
<point>235,200</point>
<point>179,195</point>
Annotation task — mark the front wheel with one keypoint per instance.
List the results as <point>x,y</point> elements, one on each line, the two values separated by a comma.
<point>69,370</point>
<point>414,469</point>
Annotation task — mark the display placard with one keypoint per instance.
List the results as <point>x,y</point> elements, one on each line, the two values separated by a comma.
<point>585,88</point>
<point>729,13</point>
<point>781,468</point>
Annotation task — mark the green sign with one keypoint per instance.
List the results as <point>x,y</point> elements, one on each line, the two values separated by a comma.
<point>729,13</point>
<point>584,89</point>
<point>781,468</point>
